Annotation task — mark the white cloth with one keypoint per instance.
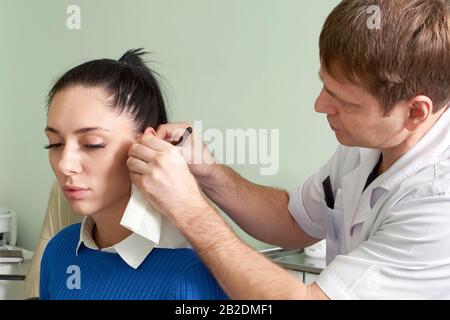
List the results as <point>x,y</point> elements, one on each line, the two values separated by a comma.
<point>391,241</point>
<point>141,218</point>
<point>150,230</point>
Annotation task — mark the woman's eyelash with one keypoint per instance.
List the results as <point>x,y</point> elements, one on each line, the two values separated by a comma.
<point>52,146</point>
<point>95,146</point>
<point>88,146</point>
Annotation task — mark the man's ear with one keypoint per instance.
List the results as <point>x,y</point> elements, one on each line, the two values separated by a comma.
<point>420,109</point>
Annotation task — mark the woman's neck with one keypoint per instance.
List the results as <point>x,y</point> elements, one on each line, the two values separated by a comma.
<point>108,231</point>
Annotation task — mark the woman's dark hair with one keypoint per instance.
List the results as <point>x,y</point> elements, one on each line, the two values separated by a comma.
<point>130,84</point>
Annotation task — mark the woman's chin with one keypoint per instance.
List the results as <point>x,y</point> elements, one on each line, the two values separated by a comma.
<point>81,209</point>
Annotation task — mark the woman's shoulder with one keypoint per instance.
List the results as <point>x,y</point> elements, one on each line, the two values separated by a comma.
<point>184,258</point>
<point>192,279</point>
<point>185,253</point>
<point>69,236</point>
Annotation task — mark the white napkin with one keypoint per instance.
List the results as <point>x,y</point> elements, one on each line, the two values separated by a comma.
<point>141,218</point>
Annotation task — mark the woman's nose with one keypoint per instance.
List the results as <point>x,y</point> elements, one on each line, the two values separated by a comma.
<point>69,163</point>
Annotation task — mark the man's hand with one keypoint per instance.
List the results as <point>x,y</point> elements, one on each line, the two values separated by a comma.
<point>196,154</point>
<point>161,173</point>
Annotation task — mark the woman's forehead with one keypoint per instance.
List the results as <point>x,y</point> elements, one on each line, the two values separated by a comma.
<point>84,107</point>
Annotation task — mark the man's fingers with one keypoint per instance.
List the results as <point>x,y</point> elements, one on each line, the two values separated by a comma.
<point>155,143</point>
<point>137,166</point>
<point>142,152</point>
<point>171,131</point>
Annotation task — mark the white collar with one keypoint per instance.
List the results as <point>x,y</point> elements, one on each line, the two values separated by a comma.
<point>431,149</point>
<point>133,249</point>
<point>150,230</point>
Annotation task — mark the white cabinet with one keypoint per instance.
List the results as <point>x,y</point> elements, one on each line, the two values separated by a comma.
<point>12,284</point>
<point>309,278</point>
<point>305,277</point>
<point>297,274</point>
<point>12,289</point>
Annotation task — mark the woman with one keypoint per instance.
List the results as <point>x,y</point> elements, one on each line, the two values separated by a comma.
<point>96,112</point>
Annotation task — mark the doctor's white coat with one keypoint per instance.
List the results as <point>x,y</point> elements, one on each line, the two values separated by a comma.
<point>391,241</point>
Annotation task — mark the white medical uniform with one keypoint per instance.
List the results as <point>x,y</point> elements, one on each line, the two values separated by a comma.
<point>391,241</point>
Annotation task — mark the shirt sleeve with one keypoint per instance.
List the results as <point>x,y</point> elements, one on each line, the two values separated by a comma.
<point>407,257</point>
<point>306,202</point>
<point>197,283</point>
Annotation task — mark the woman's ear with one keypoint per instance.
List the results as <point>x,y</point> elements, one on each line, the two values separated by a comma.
<point>150,130</point>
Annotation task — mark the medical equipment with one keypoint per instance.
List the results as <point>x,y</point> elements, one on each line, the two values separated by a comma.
<point>8,227</point>
<point>317,250</point>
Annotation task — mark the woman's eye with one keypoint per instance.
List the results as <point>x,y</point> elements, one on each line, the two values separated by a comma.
<point>53,146</point>
<point>95,146</point>
<point>87,146</point>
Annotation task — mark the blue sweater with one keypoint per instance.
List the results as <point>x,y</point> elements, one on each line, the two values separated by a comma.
<point>166,274</point>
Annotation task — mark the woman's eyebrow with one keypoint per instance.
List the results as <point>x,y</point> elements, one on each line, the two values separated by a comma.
<point>78,131</point>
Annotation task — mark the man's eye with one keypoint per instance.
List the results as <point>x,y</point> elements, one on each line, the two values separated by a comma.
<point>53,146</point>
<point>95,146</point>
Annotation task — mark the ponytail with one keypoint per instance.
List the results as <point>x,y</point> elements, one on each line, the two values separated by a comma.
<point>131,86</point>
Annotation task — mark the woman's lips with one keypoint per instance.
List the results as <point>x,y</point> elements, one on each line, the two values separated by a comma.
<point>76,193</point>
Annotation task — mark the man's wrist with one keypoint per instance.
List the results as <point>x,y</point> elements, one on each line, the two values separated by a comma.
<point>186,216</point>
<point>207,230</point>
<point>208,180</point>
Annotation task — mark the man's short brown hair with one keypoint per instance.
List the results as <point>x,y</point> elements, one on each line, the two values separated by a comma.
<point>407,54</point>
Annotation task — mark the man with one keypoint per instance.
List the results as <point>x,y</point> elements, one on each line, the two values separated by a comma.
<point>383,199</point>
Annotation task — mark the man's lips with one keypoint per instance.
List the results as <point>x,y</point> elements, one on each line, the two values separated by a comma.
<point>75,192</point>
<point>333,127</point>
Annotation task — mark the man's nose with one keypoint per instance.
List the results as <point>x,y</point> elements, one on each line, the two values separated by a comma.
<point>70,162</point>
<point>324,105</point>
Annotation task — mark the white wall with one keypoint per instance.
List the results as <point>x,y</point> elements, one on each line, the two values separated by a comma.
<point>231,63</point>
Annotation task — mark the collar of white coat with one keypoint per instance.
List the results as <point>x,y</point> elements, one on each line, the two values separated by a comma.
<point>133,249</point>
<point>431,149</point>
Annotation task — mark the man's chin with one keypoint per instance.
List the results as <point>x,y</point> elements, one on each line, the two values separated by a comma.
<point>341,139</point>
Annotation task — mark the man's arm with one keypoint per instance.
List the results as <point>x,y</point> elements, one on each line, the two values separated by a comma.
<point>242,272</point>
<point>161,173</point>
<point>246,203</point>
<point>260,211</point>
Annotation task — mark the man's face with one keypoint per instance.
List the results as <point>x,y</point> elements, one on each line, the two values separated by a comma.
<point>88,158</point>
<point>356,117</point>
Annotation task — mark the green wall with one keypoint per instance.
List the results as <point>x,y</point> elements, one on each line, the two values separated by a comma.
<point>230,63</point>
